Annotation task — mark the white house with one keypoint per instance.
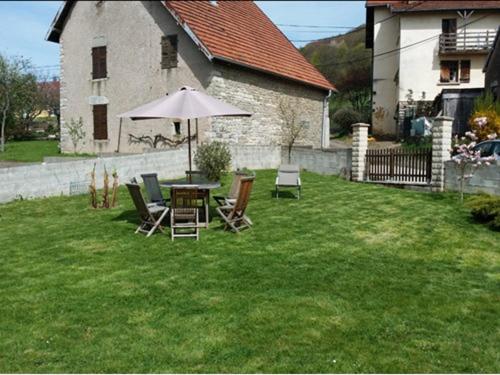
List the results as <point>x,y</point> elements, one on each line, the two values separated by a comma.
<point>117,55</point>
<point>422,47</point>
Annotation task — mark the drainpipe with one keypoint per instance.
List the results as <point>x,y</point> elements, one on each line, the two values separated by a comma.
<point>325,128</point>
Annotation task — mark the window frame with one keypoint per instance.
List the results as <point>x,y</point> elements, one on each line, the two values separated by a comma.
<point>467,78</point>
<point>449,62</point>
<point>98,133</point>
<point>99,62</point>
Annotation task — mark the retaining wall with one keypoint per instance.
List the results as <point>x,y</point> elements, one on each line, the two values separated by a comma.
<point>328,161</point>
<point>486,179</point>
<point>49,179</point>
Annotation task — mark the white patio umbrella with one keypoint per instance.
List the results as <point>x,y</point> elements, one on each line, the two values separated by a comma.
<point>186,104</point>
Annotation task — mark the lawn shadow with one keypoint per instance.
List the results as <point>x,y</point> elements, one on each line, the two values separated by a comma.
<point>285,194</point>
<point>129,216</point>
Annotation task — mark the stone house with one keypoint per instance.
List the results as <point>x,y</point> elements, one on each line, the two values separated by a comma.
<point>117,55</point>
<point>492,68</point>
<point>423,48</point>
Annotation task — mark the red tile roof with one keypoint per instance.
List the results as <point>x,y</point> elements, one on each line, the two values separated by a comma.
<point>239,32</point>
<point>434,5</point>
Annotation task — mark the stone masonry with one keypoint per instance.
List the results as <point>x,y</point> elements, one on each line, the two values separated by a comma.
<point>359,147</point>
<point>441,145</point>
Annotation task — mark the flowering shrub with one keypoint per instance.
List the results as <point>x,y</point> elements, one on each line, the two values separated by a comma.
<point>485,117</point>
<point>485,123</point>
<point>466,159</point>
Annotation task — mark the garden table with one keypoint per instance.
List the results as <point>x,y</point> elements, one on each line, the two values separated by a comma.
<point>204,187</point>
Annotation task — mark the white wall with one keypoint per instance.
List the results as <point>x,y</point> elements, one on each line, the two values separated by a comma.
<point>419,67</point>
<point>385,87</point>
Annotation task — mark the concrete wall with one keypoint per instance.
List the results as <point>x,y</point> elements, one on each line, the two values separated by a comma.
<point>52,179</point>
<point>132,33</point>
<point>328,161</point>
<point>486,179</point>
<point>416,67</point>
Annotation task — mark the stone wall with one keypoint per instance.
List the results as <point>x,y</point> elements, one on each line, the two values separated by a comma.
<point>50,179</point>
<point>328,161</point>
<point>260,94</point>
<point>486,179</point>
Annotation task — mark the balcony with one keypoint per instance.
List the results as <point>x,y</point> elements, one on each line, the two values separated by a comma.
<point>472,42</point>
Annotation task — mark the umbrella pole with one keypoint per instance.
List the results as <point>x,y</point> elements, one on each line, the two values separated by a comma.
<point>189,147</point>
<point>119,136</point>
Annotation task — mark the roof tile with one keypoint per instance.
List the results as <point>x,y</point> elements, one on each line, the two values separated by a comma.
<point>240,32</point>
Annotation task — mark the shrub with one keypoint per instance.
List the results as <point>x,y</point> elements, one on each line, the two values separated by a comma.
<point>495,224</point>
<point>485,118</point>
<point>345,117</point>
<point>485,209</point>
<point>213,159</point>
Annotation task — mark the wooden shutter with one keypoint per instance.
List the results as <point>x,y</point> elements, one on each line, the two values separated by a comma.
<point>169,51</point>
<point>465,71</point>
<point>99,68</point>
<point>445,71</point>
<point>100,112</point>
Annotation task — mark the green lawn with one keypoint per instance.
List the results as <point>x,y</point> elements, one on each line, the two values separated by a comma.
<point>351,278</point>
<point>32,151</point>
<point>29,151</point>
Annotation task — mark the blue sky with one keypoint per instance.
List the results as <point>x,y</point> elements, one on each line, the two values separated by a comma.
<point>25,24</point>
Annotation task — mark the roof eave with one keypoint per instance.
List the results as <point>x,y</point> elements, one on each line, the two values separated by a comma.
<point>189,32</point>
<point>252,67</point>
<point>57,25</point>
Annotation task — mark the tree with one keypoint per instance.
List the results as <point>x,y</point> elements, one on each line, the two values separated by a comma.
<point>50,96</point>
<point>291,129</point>
<point>75,132</point>
<point>467,160</point>
<point>15,85</point>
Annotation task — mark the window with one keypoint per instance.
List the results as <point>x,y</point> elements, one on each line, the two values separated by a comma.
<point>177,128</point>
<point>100,112</point>
<point>465,71</point>
<point>99,69</point>
<point>449,25</point>
<point>449,71</point>
<point>169,51</point>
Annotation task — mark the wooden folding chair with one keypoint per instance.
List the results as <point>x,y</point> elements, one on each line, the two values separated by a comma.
<point>234,215</point>
<point>230,198</point>
<point>153,189</point>
<point>151,215</point>
<point>184,213</point>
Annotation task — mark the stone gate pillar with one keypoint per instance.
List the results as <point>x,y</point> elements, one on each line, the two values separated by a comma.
<point>441,145</point>
<point>359,147</point>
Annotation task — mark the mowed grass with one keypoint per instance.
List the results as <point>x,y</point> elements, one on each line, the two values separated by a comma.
<point>351,278</point>
<point>34,151</point>
<point>29,151</point>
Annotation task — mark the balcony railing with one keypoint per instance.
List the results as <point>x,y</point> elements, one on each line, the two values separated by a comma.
<point>466,42</point>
